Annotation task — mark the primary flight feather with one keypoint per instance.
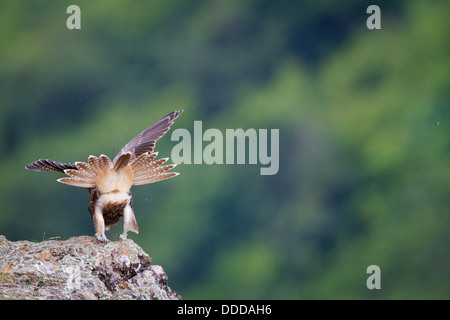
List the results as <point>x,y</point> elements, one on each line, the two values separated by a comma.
<point>109,182</point>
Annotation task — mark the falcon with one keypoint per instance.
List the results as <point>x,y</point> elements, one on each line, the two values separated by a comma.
<point>109,182</point>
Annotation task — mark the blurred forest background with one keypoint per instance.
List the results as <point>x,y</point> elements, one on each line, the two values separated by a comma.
<point>363,115</point>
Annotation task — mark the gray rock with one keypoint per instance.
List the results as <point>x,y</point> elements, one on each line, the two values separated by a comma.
<point>80,268</point>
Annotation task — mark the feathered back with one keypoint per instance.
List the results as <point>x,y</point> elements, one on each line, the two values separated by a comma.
<point>133,165</point>
<point>102,174</point>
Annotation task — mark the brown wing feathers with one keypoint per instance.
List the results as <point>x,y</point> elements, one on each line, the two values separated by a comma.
<point>133,165</point>
<point>146,140</point>
<point>99,172</point>
<point>84,174</point>
<point>49,165</point>
<point>122,161</point>
<point>146,171</point>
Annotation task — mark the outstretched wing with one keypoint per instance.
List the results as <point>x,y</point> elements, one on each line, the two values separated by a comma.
<point>146,140</point>
<point>49,165</point>
<point>133,165</point>
<point>102,174</point>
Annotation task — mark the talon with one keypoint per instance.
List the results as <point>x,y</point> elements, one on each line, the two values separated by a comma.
<point>102,238</point>
<point>123,236</point>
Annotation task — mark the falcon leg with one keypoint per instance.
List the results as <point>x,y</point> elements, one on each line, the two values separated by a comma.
<point>129,222</point>
<point>99,225</point>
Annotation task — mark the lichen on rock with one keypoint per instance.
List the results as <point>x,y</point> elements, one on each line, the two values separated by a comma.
<point>80,268</point>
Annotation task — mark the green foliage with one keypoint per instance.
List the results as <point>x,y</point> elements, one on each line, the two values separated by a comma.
<point>364,138</point>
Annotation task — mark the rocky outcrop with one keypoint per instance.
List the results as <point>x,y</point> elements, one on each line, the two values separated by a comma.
<point>80,268</point>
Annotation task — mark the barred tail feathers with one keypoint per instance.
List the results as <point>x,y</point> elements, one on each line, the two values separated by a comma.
<point>107,176</point>
<point>148,171</point>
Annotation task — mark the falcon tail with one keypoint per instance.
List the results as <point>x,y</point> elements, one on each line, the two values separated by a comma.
<point>118,176</point>
<point>133,165</point>
<point>148,171</point>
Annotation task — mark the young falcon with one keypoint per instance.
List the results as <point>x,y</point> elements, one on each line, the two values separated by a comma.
<point>109,182</point>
